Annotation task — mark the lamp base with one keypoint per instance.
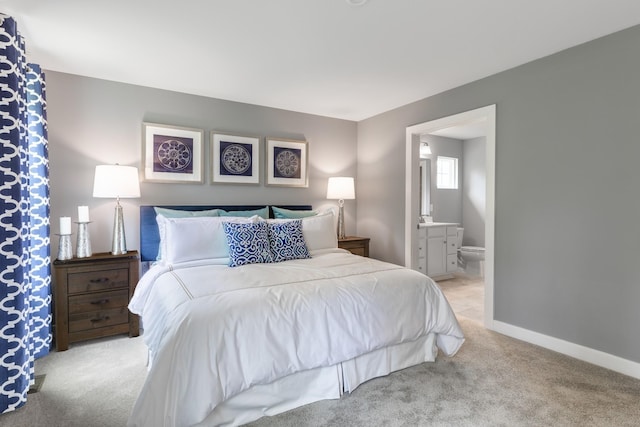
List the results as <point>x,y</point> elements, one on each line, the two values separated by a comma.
<point>119,241</point>
<point>341,227</point>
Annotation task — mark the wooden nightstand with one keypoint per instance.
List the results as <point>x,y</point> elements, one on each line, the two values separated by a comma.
<point>355,245</point>
<point>91,297</point>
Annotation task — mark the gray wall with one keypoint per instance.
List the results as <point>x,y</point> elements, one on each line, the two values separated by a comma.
<point>95,122</point>
<point>474,174</point>
<point>567,240</point>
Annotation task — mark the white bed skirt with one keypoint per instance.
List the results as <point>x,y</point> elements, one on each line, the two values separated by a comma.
<point>317,384</point>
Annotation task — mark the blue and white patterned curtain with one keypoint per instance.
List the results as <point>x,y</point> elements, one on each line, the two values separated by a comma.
<point>25,278</point>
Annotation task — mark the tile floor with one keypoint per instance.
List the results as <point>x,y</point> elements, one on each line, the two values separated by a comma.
<point>466,296</point>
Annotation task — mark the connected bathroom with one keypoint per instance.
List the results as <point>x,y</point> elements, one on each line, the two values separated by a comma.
<point>451,235</point>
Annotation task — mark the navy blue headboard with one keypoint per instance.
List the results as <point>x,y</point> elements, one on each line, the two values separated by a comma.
<point>150,237</point>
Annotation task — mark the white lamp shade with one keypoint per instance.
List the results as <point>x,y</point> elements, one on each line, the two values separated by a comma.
<point>341,187</point>
<point>116,181</point>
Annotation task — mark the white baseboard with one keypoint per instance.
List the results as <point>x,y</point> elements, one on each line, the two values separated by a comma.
<point>586,354</point>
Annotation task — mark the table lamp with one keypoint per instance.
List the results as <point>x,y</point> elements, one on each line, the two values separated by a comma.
<point>341,188</point>
<point>115,182</point>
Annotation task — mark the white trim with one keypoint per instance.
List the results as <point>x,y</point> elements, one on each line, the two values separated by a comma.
<point>488,115</point>
<point>586,354</point>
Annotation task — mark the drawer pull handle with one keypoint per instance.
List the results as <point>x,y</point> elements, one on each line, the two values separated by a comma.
<point>100,280</point>
<point>100,301</point>
<point>100,319</point>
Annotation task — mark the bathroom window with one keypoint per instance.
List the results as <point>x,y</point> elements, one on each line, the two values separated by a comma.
<point>447,173</point>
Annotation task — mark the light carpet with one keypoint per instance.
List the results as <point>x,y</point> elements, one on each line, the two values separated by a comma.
<point>493,381</point>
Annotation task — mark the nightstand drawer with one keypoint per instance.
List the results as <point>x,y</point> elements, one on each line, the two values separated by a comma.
<point>98,319</point>
<point>102,280</point>
<point>357,251</point>
<point>355,245</point>
<point>98,301</point>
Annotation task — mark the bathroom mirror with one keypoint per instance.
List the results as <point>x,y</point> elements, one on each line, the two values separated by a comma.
<point>425,187</point>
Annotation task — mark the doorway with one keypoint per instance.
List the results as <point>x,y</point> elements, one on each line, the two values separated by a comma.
<point>484,117</point>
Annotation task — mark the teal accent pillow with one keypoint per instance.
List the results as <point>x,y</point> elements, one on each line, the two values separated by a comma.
<point>263,213</point>
<point>176,213</point>
<point>281,213</point>
<point>248,243</point>
<point>287,241</point>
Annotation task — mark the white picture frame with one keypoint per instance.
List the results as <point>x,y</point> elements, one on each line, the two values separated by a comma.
<point>235,159</point>
<point>287,163</point>
<point>172,154</point>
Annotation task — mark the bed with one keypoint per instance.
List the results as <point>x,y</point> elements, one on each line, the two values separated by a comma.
<point>247,315</point>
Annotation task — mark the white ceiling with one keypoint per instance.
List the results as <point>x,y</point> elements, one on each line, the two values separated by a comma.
<point>324,57</point>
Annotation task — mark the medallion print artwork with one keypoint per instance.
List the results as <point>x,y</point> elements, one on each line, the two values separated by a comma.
<point>235,159</point>
<point>287,162</point>
<point>172,154</point>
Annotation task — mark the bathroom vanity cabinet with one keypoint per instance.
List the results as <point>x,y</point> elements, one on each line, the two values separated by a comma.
<point>438,249</point>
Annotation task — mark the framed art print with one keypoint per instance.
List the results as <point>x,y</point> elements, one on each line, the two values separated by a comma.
<point>287,162</point>
<point>172,154</point>
<point>235,159</point>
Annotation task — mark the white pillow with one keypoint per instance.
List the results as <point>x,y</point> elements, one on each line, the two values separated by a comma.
<point>194,238</point>
<point>319,231</point>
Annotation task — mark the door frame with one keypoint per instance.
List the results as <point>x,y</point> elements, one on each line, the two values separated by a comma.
<point>488,116</point>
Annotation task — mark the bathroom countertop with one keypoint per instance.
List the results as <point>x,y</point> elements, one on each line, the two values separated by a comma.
<point>437,224</point>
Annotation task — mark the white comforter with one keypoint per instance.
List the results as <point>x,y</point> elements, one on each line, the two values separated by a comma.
<point>214,331</point>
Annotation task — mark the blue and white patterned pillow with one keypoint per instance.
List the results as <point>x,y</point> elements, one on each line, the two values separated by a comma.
<point>287,241</point>
<point>248,243</point>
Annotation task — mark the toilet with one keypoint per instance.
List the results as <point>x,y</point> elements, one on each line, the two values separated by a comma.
<point>471,258</point>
